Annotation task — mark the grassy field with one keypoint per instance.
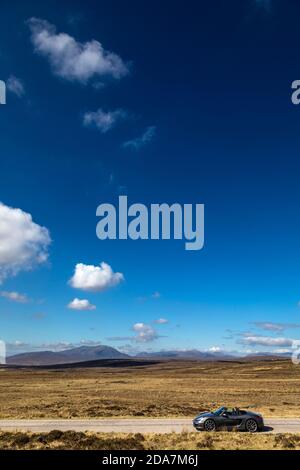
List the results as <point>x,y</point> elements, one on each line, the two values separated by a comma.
<point>71,440</point>
<point>167,389</point>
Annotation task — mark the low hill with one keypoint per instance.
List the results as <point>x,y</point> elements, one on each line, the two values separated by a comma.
<point>68,356</point>
<point>187,354</point>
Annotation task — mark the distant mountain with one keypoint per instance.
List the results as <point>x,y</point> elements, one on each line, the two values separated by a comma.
<point>187,354</point>
<point>267,356</point>
<point>88,354</point>
<point>68,356</point>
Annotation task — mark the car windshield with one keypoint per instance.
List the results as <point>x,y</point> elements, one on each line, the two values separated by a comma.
<point>219,411</point>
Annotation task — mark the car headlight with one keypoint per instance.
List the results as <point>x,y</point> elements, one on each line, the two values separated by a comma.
<point>199,420</point>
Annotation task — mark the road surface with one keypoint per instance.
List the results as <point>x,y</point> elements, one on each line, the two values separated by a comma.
<point>144,425</point>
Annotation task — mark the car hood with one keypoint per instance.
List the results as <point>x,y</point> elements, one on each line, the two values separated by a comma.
<point>251,413</point>
<point>206,414</point>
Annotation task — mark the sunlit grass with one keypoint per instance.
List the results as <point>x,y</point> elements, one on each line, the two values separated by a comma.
<point>170,389</point>
<point>173,441</point>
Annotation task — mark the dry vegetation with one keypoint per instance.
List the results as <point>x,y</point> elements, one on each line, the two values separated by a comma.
<point>166,389</point>
<point>71,440</point>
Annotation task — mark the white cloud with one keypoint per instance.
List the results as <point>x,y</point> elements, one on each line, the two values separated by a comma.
<point>270,326</point>
<point>142,140</point>
<point>23,243</point>
<point>277,327</point>
<point>144,333</point>
<point>215,349</point>
<point>267,341</point>
<point>103,120</point>
<point>95,278</point>
<point>81,304</point>
<point>15,85</point>
<point>282,351</point>
<point>71,59</point>
<point>161,321</point>
<point>14,296</point>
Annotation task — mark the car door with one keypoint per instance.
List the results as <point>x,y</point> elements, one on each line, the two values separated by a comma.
<point>235,418</point>
<point>226,420</point>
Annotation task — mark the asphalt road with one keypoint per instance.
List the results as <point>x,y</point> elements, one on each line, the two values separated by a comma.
<point>148,425</point>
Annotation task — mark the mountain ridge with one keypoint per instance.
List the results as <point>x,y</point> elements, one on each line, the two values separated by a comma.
<point>67,356</point>
<point>87,354</point>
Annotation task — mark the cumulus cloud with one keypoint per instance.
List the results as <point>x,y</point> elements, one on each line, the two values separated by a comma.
<point>103,120</point>
<point>81,304</point>
<point>14,296</point>
<point>73,60</point>
<point>142,140</point>
<point>161,321</point>
<point>282,351</point>
<point>23,243</point>
<point>215,349</point>
<point>15,85</point>
<point>94,278</point>
<point>267,341</point>
<point>144,333</point>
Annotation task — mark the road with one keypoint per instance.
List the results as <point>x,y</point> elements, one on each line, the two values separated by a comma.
<point>148,425</point>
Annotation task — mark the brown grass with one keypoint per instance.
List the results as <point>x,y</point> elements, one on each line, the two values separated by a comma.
<point>166,389</point>
<point>71,440</point>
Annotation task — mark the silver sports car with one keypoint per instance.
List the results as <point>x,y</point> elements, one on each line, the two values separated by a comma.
<point>228,418</point>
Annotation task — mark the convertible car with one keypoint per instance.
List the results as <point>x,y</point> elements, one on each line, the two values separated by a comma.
<point>228,418</point>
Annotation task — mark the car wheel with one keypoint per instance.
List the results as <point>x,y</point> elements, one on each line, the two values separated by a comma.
<point>251,425</point>
<point>209,425</point>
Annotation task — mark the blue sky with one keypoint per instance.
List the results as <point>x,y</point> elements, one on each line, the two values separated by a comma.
<point>178,103</point>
